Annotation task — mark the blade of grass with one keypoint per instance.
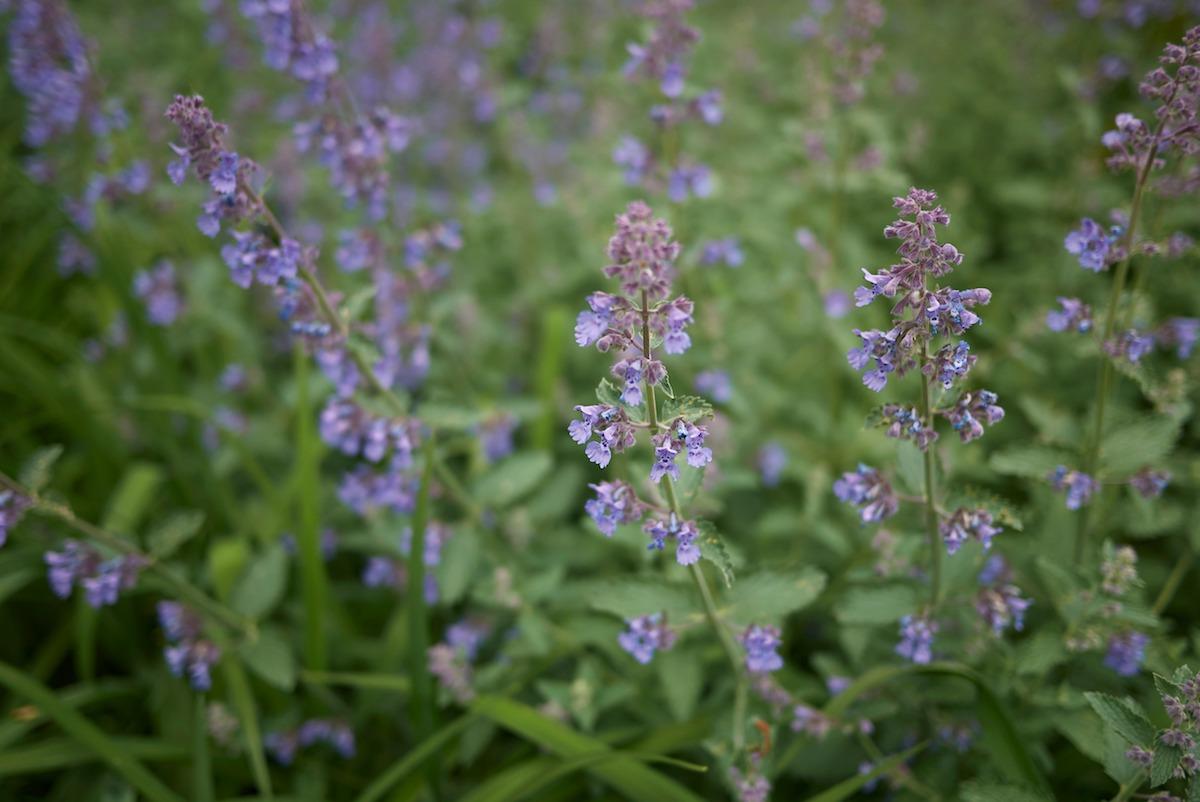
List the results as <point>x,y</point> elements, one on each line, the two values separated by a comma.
<point>418,615</point>
<point>202,780</point>
<point>242,700</point>
<point>55,754</point>
<point>623,773</point>
<point>86,733</point>
<point>414,759</point>
<point>848,787</point>
<point>307,487</point>
<point>365,681</point>
<point>13,729</point>
<point>543,774</point>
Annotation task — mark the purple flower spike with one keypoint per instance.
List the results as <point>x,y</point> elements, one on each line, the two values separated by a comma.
<point>762,644</point>
<point>646,635</point>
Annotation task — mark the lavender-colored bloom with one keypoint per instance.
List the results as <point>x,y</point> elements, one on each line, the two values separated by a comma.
<point>467,636</point>
<point>252,257</point>
<point>1150,483</point>
<point>382,572</point>
<point>293,44</point>
<point>950,363</point>
<point>916,638</point>
<point>74,257</point>
<point>328,544</point>
<point>994,570</point>
<point>79,564</point>
<point>750,788</point>
<point>866,489</point>
<point>684,533</point>
<point>965,524</point>
<point>1075,315</point>
<point>1126,651</point>
<point>282,746</point>
<point>762,644</point>
<point>686,180</point>
<point>615,503</point>
<point>159,290</point>
<point>727,251</point>
<point>452,670</point>
<point>1079,486</point>
<point>837,304</point>
<point>48,64</point>
<point>904,423</point>
<point>634,157</point>
<point>1141,757</point>
<point>1092,245</point>
<point>194,660</point>
<point>496,436</point>
<point>972,411</point>
<point>1129,345</point>
<point>1179,333</point>
<point>12,510</point>
<point>715,384</point>
<point>772,459</point>
<point>645,635</point>
<point>1001,607</point>
<point>609,424</point>
<point>642,253</point>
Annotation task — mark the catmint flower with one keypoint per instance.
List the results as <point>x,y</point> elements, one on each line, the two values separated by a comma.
<point>355,432</point>
<point>159,289</point>
<point>1075,315</point>
<point>615,503</point>
<point>1079,486</point>
<point>187,654</point>
<point>467,636</point>
<point>836,303</point>
<point>1001,607</point>
<point>328,544</point>
<point>891,351</point>
<point>1126,651</point>
<point>252,258</point>
<point>950,363</point>
<point>904,423</point>
<point>382,572</point>
<point>1150,483</point>
<point>762,644</point>
<point>750,788</point>
<point>916,638</point>
<point>687,180</point>
<point>715,384</point>
<point>1092,245</point>
<point>772,460</point>
<point>866,489</point>
<point>727,251</point>
<point>12,509</point>
<point>364,490</point>
<point>47,59</point>
<point>283,745</point>
<point>642,252</point>
<point>965,524</point>
<point>292,44</point>
<point>74,257</point>
<point>635,158</point>
<point>1140,756</point>
<point>1130,345</point>
<point>1179,333</point>
<point>972,411</point>
<point>662,57</point>
<point>1119,570</point>
<point>949,310</point>
<point>496,436</point>
<point>609,424</point>
<point>79,564</point>
<point>452,670</point>
<point>645,635</point>
<point>684,533</point>
<point>680,436</point>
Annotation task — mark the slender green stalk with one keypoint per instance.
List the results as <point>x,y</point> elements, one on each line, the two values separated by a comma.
<point>418,617</point>
<point>1130,788</point>
<point>1171,587</point>
<point>185,590</point>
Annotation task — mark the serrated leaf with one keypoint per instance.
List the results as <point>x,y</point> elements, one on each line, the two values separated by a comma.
<point>608,393</point>
<point>513,478</point>
<point>1129,448</point>
<point>37,470</point>
<point>681,675</point>
<point>262,585</point>
<point>166,538</point>
<point>1166,760</point>
<point>1033,462</point>
<point>867,606</point>
<point>689,407</point>
<point>633,597</point>
<point>771,595</point>
<point>270,657</point>
<point>1124,716</point>
<point>712,548</point>
<point>1053,424</point>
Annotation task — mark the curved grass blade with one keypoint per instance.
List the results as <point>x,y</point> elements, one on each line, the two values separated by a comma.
<point>87,733</point>
<point>243,702</point>
<point>542,775</point>
<point>624,773</point>
<point>14,729</point>
<point>55,754</point>
<point>202,779</point>
<point>400,770</point>
<point>847,788</point>
<point>418,615</point>
<point>363,681</point>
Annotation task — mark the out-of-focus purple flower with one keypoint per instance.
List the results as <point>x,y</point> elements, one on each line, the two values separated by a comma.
<point>866,489</point>
<point>1092,245</point>
<point>752,787</point>
<point>187,654</point>
<point>12,509</point>
<point>837,303</point>
<point>1075,315</point>
<point>772,459</point>
<point>158,288</point>
<point>453,671</point>
<point>1001,607</point>
<point>293,44</point>
<point>1118,572</point>
<point>1129,345</point>
<point>283,745</point>
<point>715,384</point>
<point>496,436</point>
<point>1150,483</point>
<point>328,544</point>
<point>684,533</point>
<point>916,638</point>
<point>1079,486</point>
<point>615,503</point>
<point>687,180</point>
<point>645,635</point>
<point>727,251</point>
<point>467,636</point>
<point>634,157</point>
<point>48,64</point>
<point>965,524</point>
<point>74,257</point>
<point>609,424</point>
<point>762,644</point>
<point>1126,651</point>
<point>1179,333</point>
<point>79,564</point>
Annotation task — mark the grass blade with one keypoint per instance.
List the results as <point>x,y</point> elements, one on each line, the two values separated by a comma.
<point>418,615</point>
<point>847,788</point>
<point>56,754</point>
<point>363,681</point>
<point>242,700</point>
<point>403,767</point>
<point>87,734</point>
<point>202,780</point>
<point>307,488</point>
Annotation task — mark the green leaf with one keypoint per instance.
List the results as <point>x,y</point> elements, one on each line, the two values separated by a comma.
<point>1032,462</point>
<point>883,604</point>
<point>37,470</point>
<point>1053,424</point>
<point>1193,791</point>
<point>625,774</point>
<point>712,548</point>
<point>413,759</point>
<point>55,754</point>
<point>847,788</point>
<point>632,597</point>
<point>689,407</point>
<point>681,675</point>
<point>270,657</point>
<point>1166,760</point>
<point>1129,448</point>
<point>979,791</point>
<point>513,478</point>
<point>166,538</point>
<point>226,560</point>
<point>772,595</point>
<point>397,683</point>
<point>306,490</point>
<point>263,584</point>
<point>1124,716</point>
<point>241,699</point>
<point>460,556</point>
<point>131,500</point>
<point>910,467</point>
<point>87,734</point>
<point>534,775</point>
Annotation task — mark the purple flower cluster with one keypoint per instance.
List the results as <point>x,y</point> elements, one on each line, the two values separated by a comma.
<point>187,653</point>
<point>1130,345</point>
<point>251,257</point>
<point>684,533</point>
<point>904,423</point>
<point>1001,606</point>
<point>357,154</point>
<point>158,288</point>
<point>964,524</point>
<point>1095,248</point>
<point>1074,315</point>
<point>1179,333</point>
<point>916,638</point>
<point>496,436</point>
<point>868,490</point>
<point>47,58</point>
<point>772,460</point>
<point>12,509</point>
<point>615,503</point>
<point>849,39</point>
<point>971,411</point>
<point>229,176</point>
<point>1126,651</point>
<point>1149,482</point>
<point>354,431</point>
<point>451,661</point>
<point>102,580</point>
<point>715,384</point>
<point>684,437</point>
<point>762,645</point>
<point>392,573</point>
<point>751,787</point>
<point>609,424</point>
<point>292,43</point>
<point>1078,486</point>
<point>645,635</point>
<point>283,745</point>
<point>727,251</point>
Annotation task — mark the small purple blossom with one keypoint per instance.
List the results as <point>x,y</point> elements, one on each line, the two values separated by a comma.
<point>608,424</point>
<point>1074,315</point>
<point>972,411</point>
<point>102,581</point>
<point>1092,245</point>
<point>1002,607</point>
<point>1150,483</point>
<point>1079,486</point>
<point>904,423</point>
<point>916,638</point>
<point>684,533</point>
<point>715,384</point>
<point>159,290</point>
<point>1130,346</point>
<point>965,524</point>
<point>727,251</point>
<point>645,635</point>
<point>772,460</point>
<point>12,509</point>
<point>866,489</point>
<point>1126,651</point>
<point>1179,333</point>
<point>615,503</point>
<point>762,644</point>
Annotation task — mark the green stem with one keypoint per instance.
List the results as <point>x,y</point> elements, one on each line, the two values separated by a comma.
<point>1130,788</point>
<point>931,516</point>
<point>1173,581</point>
<point>418,623</point>
<point>183,589</point>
